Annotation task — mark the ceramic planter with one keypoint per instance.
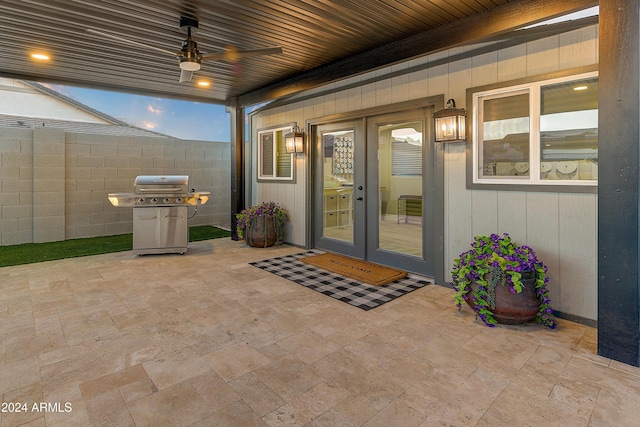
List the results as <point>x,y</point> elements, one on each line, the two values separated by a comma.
<point>263,232</point>
<point>509,308</point>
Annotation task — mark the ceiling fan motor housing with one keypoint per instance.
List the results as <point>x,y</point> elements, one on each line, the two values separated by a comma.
<point>188,23</point>
<point>190,57</point>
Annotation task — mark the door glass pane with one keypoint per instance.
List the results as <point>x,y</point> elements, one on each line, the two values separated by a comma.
<point>400,187</point>
<point>569,130</point>
<point>338,164</point>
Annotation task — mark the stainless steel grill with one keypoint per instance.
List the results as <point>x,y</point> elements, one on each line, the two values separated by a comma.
<point>160,212</point>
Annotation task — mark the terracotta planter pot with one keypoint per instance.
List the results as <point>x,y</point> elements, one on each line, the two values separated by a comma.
<point>262,232</point>
<point>512,309</point>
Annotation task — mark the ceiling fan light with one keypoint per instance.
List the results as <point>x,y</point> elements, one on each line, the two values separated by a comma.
<point>189,65</point>
<point>40,56</point>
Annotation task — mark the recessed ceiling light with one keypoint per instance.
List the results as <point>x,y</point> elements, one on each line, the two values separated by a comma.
<point>204,83</point>
<point>583,87</point>
<point>40,56</point>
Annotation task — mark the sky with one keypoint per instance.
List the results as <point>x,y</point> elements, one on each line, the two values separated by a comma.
<point>180,119</point>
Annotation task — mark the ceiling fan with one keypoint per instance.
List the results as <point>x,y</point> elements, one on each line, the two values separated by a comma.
<point>189,57</point>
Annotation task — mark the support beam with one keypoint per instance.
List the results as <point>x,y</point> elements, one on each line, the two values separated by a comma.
<point>619,182</point>
<point>237,164</point>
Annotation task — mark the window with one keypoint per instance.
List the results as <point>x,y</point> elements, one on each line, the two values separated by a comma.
<point>541,133</point>
<point>274,164</point>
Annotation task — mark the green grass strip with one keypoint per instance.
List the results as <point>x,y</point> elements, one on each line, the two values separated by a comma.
<point>38,252</point>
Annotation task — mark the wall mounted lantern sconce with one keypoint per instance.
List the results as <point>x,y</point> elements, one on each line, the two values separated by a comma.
<point>450,123</point>
<point>294,141</point>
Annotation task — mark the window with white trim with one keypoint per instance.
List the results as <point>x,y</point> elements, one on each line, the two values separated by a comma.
<point>541,133</point>
<point>274,163</point>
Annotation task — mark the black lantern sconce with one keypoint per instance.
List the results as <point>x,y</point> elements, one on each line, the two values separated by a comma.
<point>450,123</point>
<point>294,141</point>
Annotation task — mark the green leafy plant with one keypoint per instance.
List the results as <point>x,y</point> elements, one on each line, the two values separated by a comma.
<point>263,209</point>
<point>507,262</point>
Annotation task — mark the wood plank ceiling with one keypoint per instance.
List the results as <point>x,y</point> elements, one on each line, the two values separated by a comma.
<point>315,35</point>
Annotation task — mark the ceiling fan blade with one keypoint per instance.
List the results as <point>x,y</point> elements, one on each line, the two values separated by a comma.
<point>232,55</point>
<point>185,76</point>
<point>124,40</point>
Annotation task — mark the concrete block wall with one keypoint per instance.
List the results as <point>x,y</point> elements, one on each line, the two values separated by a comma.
<point>48,185</point>
<point>16,185</point>
<point>32,172</point>
<point>54,185</point>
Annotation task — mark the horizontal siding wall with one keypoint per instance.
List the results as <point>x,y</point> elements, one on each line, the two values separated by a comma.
<point>54,185</point>
<point>290,196</point>
<point>561,227</point>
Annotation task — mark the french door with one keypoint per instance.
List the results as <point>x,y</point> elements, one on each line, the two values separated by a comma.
<point>374,192</point>
<point>339,189</point>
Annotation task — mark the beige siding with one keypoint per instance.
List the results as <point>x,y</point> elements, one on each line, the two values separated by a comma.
<point>561,227</point>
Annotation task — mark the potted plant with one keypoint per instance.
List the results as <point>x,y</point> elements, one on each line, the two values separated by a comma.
<point>262,225</point>
<point>503,282</point>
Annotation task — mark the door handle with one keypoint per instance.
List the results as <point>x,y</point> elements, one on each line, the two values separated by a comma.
<point>359,198</point>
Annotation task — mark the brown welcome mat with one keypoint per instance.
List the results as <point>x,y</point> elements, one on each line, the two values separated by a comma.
<point>363,271</point>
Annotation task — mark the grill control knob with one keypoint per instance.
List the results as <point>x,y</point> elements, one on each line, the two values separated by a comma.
<point>166,200</point>
<point>154,200</point>
<point>141,201</point>
<point>178,199</point>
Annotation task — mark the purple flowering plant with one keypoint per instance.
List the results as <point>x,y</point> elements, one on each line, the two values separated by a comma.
<point>270,208</point>
<point>506,261</point>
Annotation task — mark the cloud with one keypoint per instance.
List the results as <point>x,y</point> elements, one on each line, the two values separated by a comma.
<point>149,125</point>
<point>154,110</point>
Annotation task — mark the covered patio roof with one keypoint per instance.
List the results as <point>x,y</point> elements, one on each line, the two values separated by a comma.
<point>129,45</point>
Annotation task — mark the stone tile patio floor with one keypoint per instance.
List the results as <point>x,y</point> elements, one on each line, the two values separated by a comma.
<point>207,340</point>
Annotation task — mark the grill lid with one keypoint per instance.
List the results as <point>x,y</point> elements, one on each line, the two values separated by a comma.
<point>160,190</point>
<point>161,180</point>
<point>178,184</point>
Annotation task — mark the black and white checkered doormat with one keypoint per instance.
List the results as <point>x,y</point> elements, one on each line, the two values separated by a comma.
<point>341,288</point>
